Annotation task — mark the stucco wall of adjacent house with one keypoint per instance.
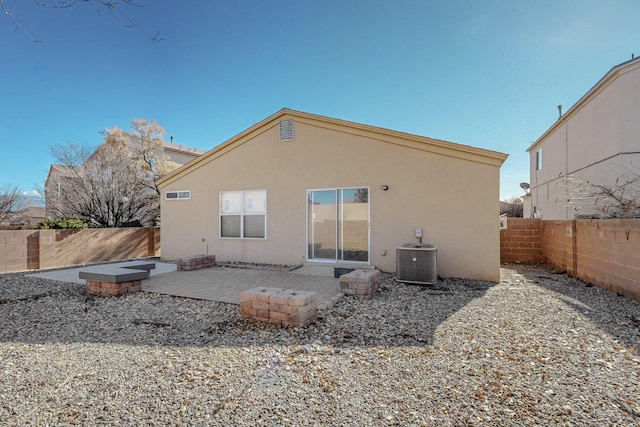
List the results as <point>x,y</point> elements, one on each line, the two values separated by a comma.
<point>180,157</point>
<point>426,189</point>
<point>597,139</point>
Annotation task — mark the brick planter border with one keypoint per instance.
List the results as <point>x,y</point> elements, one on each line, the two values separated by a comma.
<point>286,307</point>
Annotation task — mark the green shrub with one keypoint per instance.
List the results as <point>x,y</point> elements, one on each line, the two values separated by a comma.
<point>62,224</point>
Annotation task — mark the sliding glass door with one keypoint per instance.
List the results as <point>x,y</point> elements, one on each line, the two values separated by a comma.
<point>338,225</point>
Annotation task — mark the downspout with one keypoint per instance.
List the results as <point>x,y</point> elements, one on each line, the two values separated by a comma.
<point>566,163</point>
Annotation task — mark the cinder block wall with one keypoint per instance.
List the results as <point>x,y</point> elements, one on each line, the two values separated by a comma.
<point>602,252</point>
<point>521,240</point>
<point>18,250</point>
<point>75,246</point>
<point>39,249</point>
<point>558,244</point>
<point>608,254</point>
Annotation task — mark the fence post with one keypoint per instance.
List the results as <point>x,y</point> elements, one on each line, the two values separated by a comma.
<point>574,248</point>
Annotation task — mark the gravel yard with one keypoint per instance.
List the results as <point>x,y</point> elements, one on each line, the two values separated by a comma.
<point>537,349</point>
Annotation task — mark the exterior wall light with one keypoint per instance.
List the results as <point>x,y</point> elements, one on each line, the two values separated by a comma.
<point>385,187</point>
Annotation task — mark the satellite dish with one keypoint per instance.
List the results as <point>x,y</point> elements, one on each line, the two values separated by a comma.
<point>525,186</point>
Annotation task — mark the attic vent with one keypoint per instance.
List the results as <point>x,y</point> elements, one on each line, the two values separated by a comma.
<point>286,130</point>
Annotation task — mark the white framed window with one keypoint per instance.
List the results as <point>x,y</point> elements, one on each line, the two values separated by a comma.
<point>539,160</point>
<point>177,195</point>
<point>243,214</point>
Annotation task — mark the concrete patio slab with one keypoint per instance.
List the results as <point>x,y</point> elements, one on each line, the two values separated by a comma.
<point>222,284</point>
<point>225,284</point>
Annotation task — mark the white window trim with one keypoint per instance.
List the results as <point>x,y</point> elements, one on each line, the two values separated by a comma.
<point>368,224</point>
<point>177,193</point>
<point>242,214</point>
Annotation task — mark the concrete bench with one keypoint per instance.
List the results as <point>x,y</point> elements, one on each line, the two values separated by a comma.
<point>109,280</point>
<point>138,265</point>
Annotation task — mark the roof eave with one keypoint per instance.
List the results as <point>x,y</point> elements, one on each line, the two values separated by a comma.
<point>490,157</point>
<point>610,76</point>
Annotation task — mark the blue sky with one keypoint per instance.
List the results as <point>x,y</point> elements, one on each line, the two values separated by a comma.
<point>483,73</point>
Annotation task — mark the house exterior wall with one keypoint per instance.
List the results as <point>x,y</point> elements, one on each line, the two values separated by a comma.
<point>56,182</point>
<point>427,185</point>
<point>596,140</point>
<point>181,157</point>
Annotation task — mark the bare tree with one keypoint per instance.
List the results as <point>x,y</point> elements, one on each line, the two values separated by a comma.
<point>146,149</point>
<point>512,207</point>
<point>106,188</point>
<point>619,199</point>
<point>361,195</point>
<point>11,203</point>
<point>114,185</point>
<point>114,7</point>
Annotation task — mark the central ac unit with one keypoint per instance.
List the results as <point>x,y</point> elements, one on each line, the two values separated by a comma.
<point>417,263</point>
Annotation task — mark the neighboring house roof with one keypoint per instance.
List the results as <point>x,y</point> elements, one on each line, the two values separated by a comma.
<point>605,81</point>
<point>27,215</point>
<point>134,140</point>
<point>170,146</point>
<point>34,214</point>
<point>394,137</point>
<point>57,170</point>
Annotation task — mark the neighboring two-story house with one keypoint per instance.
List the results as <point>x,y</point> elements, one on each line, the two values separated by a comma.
<point>60,177</point>
<point>595,143</point>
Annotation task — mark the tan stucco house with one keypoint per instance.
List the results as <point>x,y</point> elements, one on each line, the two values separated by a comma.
<point>301,188</point>
<point>596,141</point>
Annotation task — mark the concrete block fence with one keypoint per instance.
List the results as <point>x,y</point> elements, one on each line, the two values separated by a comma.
<point>521,240</point>
<point>22,250</point>
<point>604,252</point>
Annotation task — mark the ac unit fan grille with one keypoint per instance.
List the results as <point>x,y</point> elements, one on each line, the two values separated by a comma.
<point>416,266</point>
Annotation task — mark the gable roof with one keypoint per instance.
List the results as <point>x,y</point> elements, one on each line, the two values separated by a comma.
<point>422,143</point>
<point>605,81</point>
<point>57,170</point>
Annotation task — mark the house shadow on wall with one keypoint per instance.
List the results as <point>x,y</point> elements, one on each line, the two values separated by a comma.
<point>399,315</point>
